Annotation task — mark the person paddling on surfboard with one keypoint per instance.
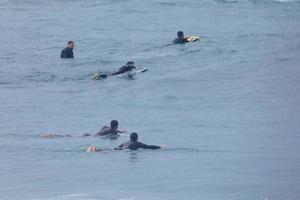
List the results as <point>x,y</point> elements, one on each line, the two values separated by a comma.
<point>126,68</point>
<point>133,144</point>
<point>112,130</point>
<point>181,39</point>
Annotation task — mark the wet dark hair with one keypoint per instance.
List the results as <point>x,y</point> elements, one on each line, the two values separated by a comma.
<point>130,62</point>
<point>114,123</point>
<point>134,137</point>
<point>70,42</point>
<point>179,33</point>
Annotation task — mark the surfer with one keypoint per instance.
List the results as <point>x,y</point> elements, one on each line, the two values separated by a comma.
<point>180,38</point>
<point>133,144</point>
<point>126,68</point>
<point>112,130</point>
<point>68,51</point>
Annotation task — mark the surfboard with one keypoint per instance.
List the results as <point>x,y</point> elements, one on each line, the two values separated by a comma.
<point>192,38</point>
<point>142,70</point>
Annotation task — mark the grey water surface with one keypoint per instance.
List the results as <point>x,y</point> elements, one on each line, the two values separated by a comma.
<point>226,107</point>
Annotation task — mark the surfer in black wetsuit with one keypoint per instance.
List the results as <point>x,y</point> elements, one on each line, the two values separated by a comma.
<point>68,51</point>
<point>133,144</point>
<point>112,130</point>
<point>126,68</point>
<point>180,38</point>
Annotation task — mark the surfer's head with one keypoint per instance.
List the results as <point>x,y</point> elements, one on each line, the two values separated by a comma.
<point>114,124</point>
<point>134,137</point>
<point>130,63</point>
<point>71,44</point>
<point>180,34</point>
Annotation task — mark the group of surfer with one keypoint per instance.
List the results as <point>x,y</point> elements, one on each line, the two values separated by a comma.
<point>68,51</point>
<point>112,131</point>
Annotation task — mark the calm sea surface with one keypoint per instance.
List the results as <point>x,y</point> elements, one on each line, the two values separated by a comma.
<point>227,107</point>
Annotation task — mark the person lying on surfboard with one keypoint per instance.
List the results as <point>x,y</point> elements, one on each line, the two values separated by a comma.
<point>133,144</point>
<point>181,39</point>
<point>126,68</point>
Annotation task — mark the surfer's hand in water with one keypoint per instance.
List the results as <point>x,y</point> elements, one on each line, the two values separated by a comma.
<point>163,146</point>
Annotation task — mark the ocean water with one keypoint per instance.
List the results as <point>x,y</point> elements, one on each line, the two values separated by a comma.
<point>226,107</point>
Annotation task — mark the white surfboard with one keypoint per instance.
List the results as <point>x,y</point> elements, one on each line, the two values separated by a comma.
<point>132,74</point>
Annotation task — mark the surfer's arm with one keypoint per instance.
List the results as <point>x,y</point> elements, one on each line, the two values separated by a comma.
<point>103,131</point>
<point>120,147</point>
<point>146,146</point>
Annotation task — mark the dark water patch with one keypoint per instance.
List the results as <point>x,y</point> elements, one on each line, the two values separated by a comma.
<point>4,83</point>
<point>194,51</point>
<point>171,97</point>
<point>166,3</point>
<point>77,78</point>
<point>219,51</point>
<point>282,59</point>
<point>227,1</point>
<point>157,47</point>
<point>3,4</point>
<point>95,4</point>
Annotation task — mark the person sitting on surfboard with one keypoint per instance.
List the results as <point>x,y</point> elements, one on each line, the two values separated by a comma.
<point>112,130</point>
<point>126,68</point>
<point>181,39</point>
<point>133,144</point>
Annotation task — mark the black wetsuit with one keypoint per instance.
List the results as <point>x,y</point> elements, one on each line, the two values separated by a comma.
<point>67,53</point>
<point>106,131</point>
<point>136,145</point>
<point>125,68</point>
<point>180,41</point>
